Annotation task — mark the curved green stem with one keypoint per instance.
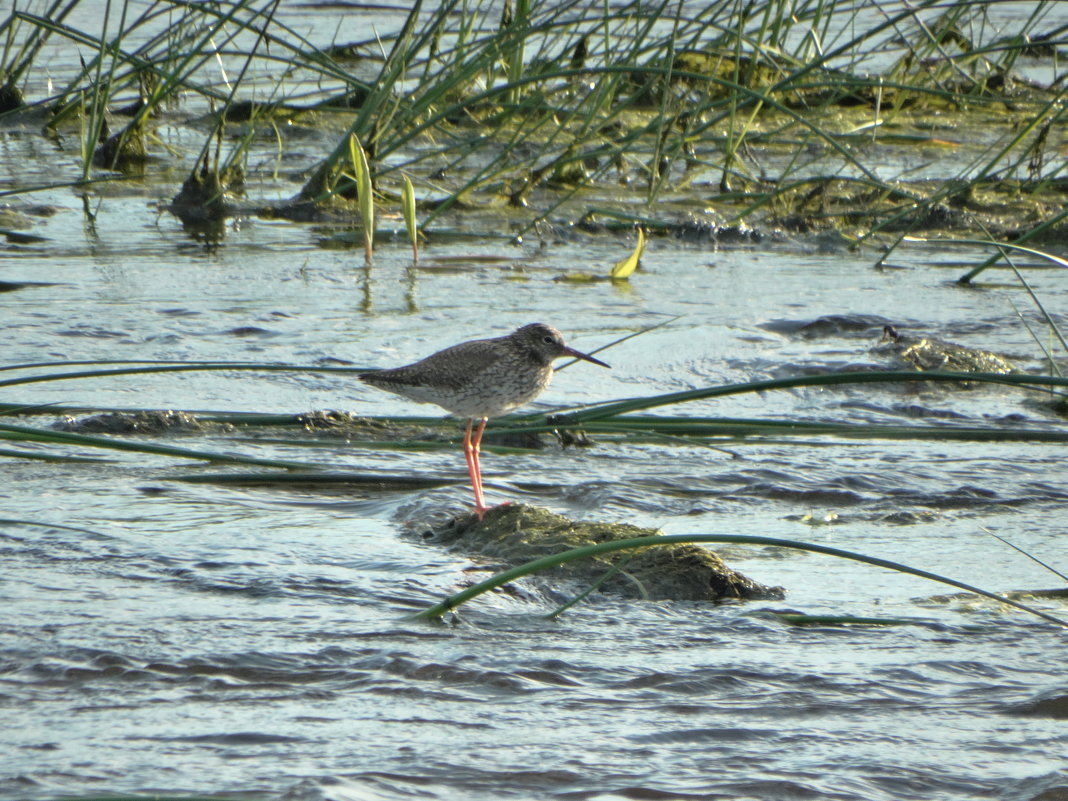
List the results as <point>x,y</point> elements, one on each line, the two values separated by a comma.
<point>537,565</point>
<point>601,411</point>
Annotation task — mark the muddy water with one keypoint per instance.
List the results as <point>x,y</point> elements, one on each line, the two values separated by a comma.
<point>188,639</point>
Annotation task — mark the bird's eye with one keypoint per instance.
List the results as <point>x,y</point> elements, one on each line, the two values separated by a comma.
<point>548,340</point>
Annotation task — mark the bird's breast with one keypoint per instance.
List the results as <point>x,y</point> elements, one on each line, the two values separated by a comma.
<point>496,392</point>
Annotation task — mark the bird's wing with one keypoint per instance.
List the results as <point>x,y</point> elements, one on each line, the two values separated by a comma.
<point>451,368</point>
<point>464,362</point>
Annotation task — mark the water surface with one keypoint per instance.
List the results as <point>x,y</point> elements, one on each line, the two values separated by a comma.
<point>189,639</point>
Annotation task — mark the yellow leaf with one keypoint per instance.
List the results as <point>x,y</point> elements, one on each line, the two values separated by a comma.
<point>623,269</point>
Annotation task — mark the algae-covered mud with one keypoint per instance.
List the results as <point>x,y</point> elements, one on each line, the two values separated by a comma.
<point>931,353</point>
<point>515,534</point>
<point>846,330</point>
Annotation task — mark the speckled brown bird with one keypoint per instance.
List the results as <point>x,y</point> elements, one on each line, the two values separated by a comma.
<point>481,379</point>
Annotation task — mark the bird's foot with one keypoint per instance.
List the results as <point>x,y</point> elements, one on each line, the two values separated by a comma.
<point>481,510</point>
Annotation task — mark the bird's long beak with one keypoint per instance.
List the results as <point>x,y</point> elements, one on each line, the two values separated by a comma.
<point>580,355</point>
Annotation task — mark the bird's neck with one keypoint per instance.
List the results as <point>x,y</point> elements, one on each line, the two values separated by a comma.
<point>534,356</point>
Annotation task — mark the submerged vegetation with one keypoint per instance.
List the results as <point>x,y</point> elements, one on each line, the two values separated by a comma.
<point>732,118</point>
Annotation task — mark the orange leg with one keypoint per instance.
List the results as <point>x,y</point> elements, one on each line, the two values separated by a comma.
<point>474,468</point>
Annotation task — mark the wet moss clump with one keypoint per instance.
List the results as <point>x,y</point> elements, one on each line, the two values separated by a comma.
<point>124,151</point>
<point>207,195</point>
<point>11,98</point>
<point>354,427</point>
<point>928,353</point>
<point>518,533</point>
<point>144,422</point>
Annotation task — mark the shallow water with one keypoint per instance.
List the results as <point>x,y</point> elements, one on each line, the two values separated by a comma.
<point>252,641</point>
<point>248,640</point>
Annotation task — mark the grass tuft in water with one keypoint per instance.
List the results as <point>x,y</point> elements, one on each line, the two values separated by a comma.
<point>780,115</point>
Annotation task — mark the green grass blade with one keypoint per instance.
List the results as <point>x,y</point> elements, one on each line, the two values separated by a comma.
<point>86,362</point>
<point>1030,556</point>
<point>366,196</point>
<point>10,453</point>
<point>611,409</point>
<point>967,277</point>
<point>47,436</point>
<point>538,565</point>
<point>612,571</point>
<point>178,368</point>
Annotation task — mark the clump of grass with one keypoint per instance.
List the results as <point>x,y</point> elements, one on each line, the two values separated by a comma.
<point>23,39</point>
<point>776,106</point>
